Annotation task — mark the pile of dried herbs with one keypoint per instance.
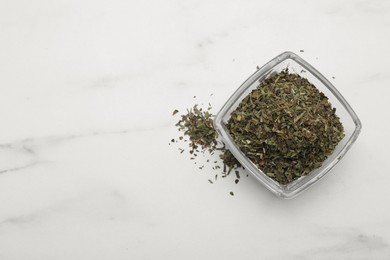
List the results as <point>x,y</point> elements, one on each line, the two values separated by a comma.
<point>197,124</point>
<point>286,127</point>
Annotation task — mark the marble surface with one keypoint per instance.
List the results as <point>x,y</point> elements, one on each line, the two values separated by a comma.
<point>87,89</point>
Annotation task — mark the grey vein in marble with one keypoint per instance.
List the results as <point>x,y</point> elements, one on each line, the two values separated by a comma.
<point>345,243</point>
<point>18,168</point>
<point>111,197</point>
<point>30,146</point>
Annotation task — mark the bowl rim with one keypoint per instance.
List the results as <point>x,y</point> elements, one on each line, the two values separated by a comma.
<point>240,156</point>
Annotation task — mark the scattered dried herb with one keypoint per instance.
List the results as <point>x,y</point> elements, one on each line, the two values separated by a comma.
<point>175,112</point>
<point>197,124</point>
<point>229,160</point>
<point>286,127</point>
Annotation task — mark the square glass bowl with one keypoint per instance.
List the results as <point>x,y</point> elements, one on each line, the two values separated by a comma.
<point>348,118</point>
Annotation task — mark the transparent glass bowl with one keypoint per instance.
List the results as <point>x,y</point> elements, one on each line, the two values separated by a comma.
<point>295,64</point>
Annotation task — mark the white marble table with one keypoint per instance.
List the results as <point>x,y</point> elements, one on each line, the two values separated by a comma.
<point>87,89</point>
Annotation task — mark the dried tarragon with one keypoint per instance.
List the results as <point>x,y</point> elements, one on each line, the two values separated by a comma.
<point>286,127</point>
<point>197,124</point>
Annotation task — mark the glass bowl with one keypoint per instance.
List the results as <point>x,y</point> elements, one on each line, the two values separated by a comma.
<point>348,118</point>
